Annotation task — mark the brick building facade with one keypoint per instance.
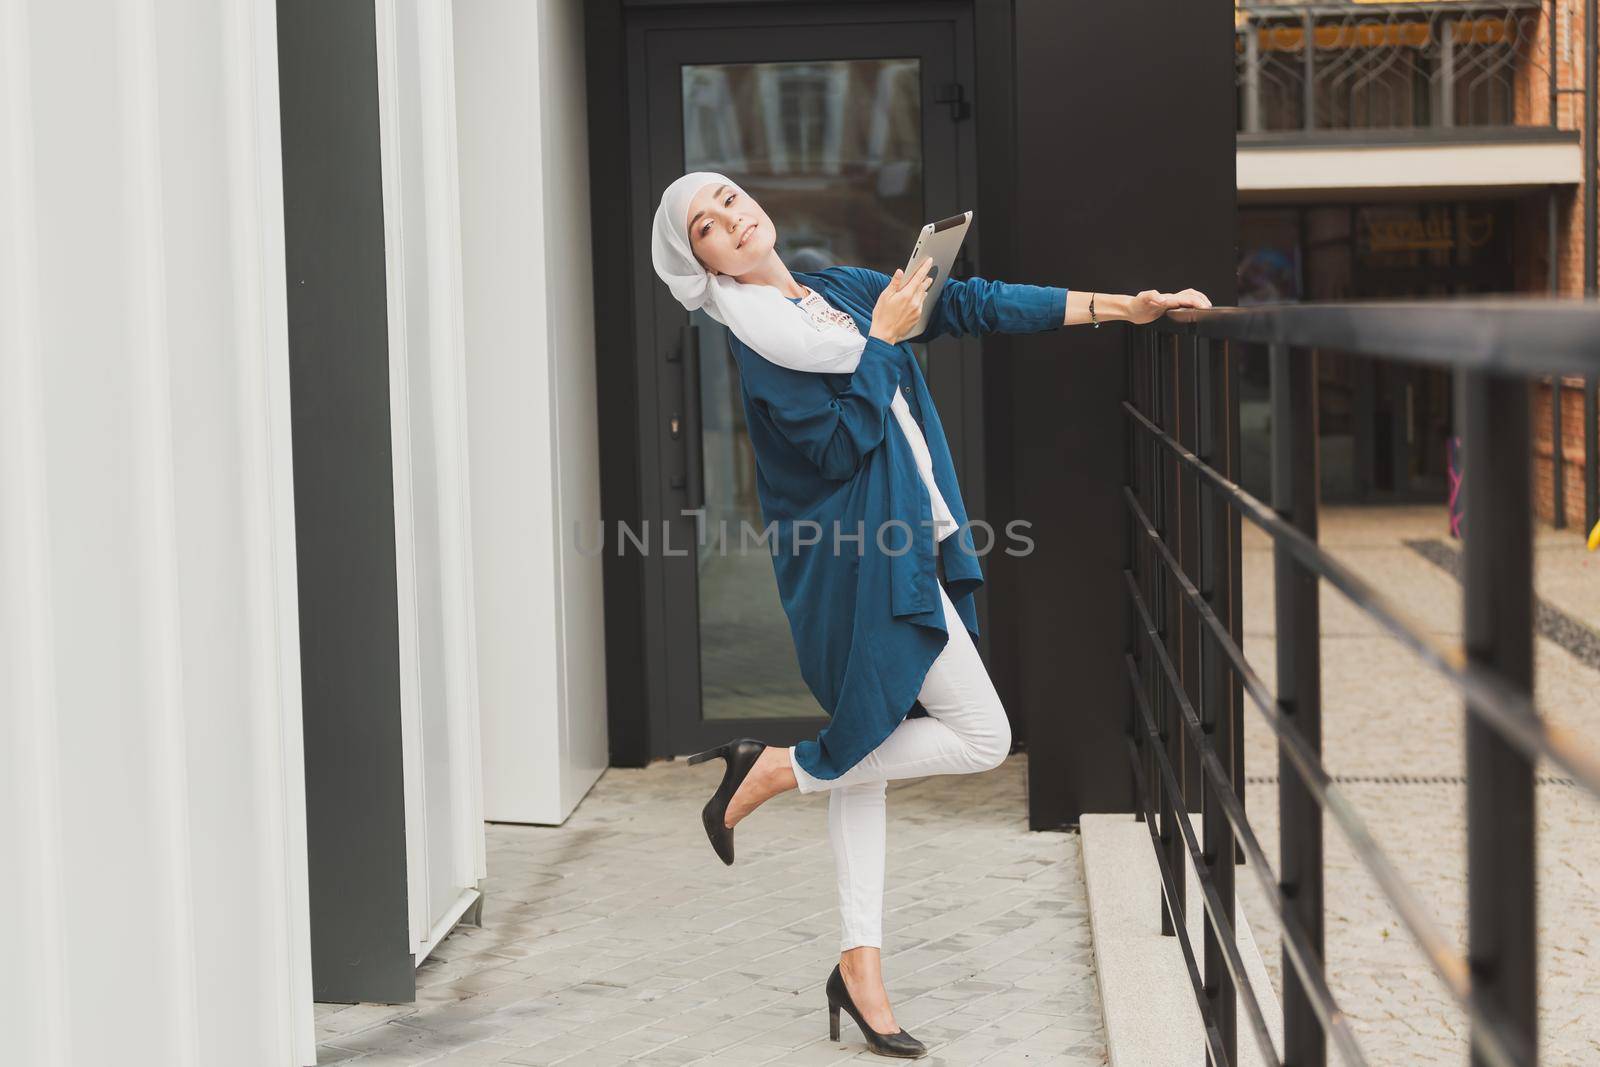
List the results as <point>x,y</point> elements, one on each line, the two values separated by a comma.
<point>1421,149</point>
<point>1532,265</point>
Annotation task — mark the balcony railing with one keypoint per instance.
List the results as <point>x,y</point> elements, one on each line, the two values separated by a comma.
<point>1337,65</point>
<point>1189,681</point>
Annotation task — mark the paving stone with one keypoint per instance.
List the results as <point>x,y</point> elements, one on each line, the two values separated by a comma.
<point>620,937</point>
<point>480,1053</point>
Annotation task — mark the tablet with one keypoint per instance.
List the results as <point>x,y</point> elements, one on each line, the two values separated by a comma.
<point>941,240</point>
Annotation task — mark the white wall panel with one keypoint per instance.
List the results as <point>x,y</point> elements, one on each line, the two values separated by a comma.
<point>148,639</point>
<point>444,816</point>
<point>529,304</point>
<point>34,986</point>
<point>574,410</point>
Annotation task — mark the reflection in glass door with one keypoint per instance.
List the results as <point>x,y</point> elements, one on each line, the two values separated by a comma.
<point>833,152</point>
<point>840,121</point>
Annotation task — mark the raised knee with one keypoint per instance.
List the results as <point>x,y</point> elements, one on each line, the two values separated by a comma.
<point>993,749</point>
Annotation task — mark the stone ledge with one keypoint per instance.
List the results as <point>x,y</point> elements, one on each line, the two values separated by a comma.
<point>1150,1011</point>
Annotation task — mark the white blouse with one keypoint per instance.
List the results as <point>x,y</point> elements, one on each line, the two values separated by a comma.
<point>944,522</point>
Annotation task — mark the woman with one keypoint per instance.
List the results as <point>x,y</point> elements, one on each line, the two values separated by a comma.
<point>876,567</point>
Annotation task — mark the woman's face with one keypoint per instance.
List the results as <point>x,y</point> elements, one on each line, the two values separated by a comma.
<point>728,231</point>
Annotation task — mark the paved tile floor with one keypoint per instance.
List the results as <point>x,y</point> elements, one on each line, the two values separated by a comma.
<point>621,938</point>
<point>1393,732</point>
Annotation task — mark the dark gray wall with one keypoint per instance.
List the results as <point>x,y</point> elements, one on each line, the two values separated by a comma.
<point>629,702</point>
<point>994,110</point>
<point>1124,180</point>
<point>344,501</point>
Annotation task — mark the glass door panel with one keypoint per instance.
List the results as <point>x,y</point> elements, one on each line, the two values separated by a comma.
<point>832,150</point>
<point>828,118</point>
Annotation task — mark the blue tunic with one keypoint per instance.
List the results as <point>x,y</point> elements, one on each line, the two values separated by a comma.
<point>860,588</point>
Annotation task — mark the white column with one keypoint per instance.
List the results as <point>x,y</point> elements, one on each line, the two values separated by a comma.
<point>433,520</point>
<point>531,391</point>
<point>153,822</point>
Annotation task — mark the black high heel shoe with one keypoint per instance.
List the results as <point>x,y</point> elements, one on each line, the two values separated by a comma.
<point>898,1043</point>
<point>741,755</point>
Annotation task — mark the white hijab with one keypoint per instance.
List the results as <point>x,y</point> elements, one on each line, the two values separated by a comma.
<point>759,315</point>
<point>764,319</point>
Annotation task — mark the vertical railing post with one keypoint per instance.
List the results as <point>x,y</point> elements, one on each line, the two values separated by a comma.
<point>1186,545</point>
<point>1130,639</point>
<point>1558,466</point>
<point>1172,608</point>
<point>1447,74</point>
<point>1147,575</point>
<point>1216,716</point>
<point>1591,452</point>
<point>1498,564</point>
<point>1558,469</point>
<point>1152,569</point>
<point>1230,427</point>
<point>1294,498</point>
<point>1308,69</point>
<point>1252,76</point>
<point>1165,609</point>
<point>1551,32</point>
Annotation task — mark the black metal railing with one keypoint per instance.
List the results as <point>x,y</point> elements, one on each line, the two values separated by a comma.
<point>1305,66</point>
<point>1190,681</point>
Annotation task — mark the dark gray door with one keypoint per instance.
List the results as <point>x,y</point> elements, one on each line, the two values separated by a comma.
<point>851,133</point>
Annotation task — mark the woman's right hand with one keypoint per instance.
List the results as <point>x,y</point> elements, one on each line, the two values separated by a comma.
<point>899,306</point>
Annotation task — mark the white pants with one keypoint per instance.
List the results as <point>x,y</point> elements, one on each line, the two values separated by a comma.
<point>966,731</point>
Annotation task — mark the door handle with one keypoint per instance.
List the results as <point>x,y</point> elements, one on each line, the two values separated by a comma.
<point>692,481</point>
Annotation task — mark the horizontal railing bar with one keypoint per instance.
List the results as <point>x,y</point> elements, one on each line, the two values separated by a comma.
<point>1307,961</point>
<point>1378,136</point>
<point>1227,938</point>
<point>1485,692</point>
<point>1512,335</point>
<point>1219,1055</point>
<point>1450,967</point>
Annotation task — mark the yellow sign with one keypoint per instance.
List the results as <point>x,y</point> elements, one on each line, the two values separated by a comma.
<point>1418,235</point>
<point>1284,38</point>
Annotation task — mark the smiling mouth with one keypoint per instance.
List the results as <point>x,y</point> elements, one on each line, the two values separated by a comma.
<point>748,230</point>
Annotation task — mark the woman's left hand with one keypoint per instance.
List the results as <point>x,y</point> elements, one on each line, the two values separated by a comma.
<point>1152,304</point>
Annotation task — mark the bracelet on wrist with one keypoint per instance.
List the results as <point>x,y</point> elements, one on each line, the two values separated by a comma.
<point>1092,318</point>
